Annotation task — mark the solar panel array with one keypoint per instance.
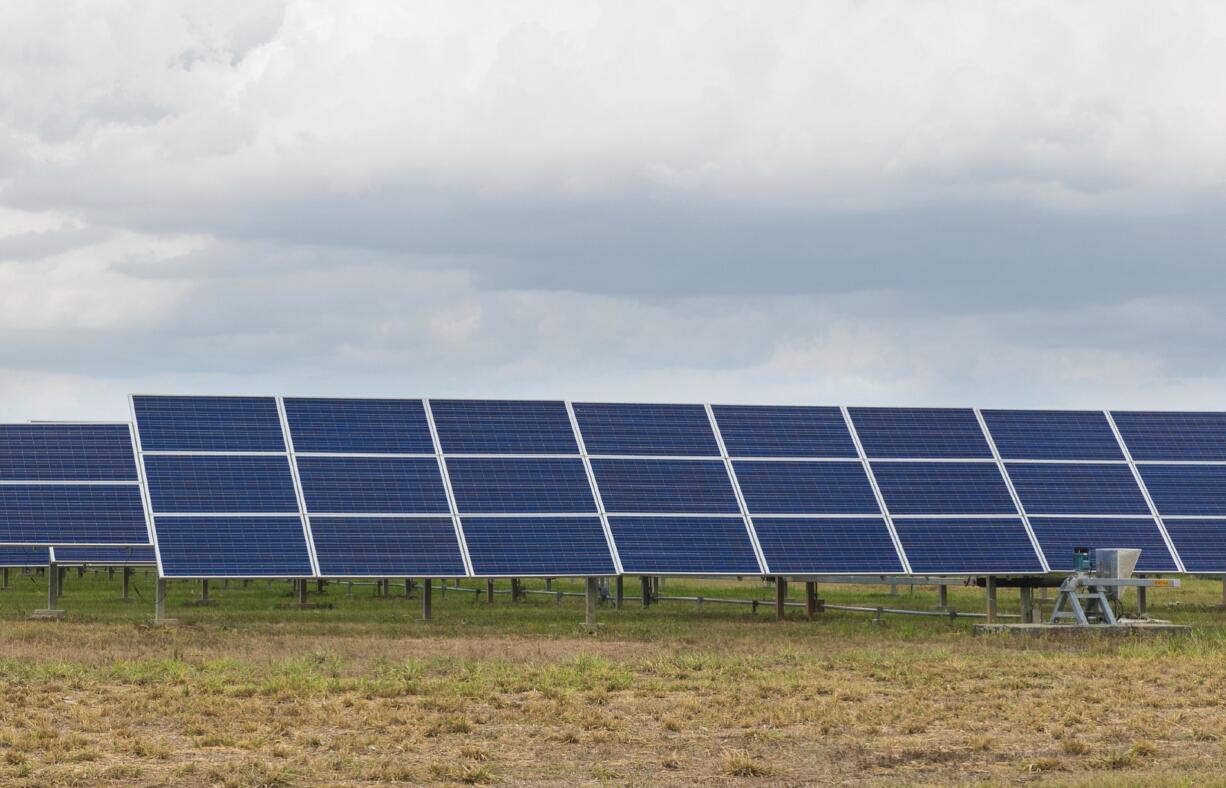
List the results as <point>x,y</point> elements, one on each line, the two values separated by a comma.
<point>69,484</point>
<point>250,486</point>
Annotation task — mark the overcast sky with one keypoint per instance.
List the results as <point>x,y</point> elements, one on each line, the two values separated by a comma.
<point>996,204</point>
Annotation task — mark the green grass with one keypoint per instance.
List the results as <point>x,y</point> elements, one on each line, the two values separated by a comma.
<point>252,692</point>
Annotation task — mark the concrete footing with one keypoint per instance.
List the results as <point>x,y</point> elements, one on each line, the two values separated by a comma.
<point>47,615</point>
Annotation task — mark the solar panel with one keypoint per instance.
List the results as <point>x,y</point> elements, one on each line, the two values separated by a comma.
<point>538,546</point>
<point>646,430</point>
<point>920,433</point>
<point>1052,435</point>
<point>21,557</point>
<point>776,431</point>
<point>943,488</point>
<point>1058,536</point>
<point>221,424</point>
<point>67,453</point>
<point>232,546</point>
<point>1186,489</point>
<point>665,486</point>
<point>1067,488</point>
<point>72,514</point>
<point>503,427</point>
<point>358,426</point>
<point>520,485</point>
<point>1201,544</point>
<point>798,487</point>
<point>116,556</point>
<point>387,547</point>
<point>978,546</point>
<point>373,485</point>
<point>181,484</point>
<point>702,545</point>
<point>1165,437</point>
<point>828,545</point>
<point>203,504</point>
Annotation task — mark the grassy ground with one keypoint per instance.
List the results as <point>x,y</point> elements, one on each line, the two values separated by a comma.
<point>251,693</point>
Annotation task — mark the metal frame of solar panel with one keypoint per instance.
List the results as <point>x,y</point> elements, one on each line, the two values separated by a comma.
<point>1076,486</point>
<point>1180,461</point>
<point>807,491</point>
<point>104,556</point>
<point>71,484</point>
<point>522,489</point>
<point>221,488</point>
<point>944,492</point>
<point>373,486</point>
<point>667,488</point>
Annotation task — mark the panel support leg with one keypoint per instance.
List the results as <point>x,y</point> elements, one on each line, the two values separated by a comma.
<point>159,603</point>
<point>810,599</point>
<point>1224,591</point>
<point>1027,601</point>
<point>61,574</point>
<point>781,596</point>
<point>943,596</point>
<point>549,584</point>
<point>645,582</point>
<point>592,597</point>
<point>991,589</point>
<point>55,581</point>
<point>6,579</point>
<point>204,592</point>
<point>620,597</point>
<point>302,592</point>
<point>1142,606</point>
<point>408,587</point>
<point>427,589</point>
<point>127,584</point>
<point>515,589</point>
<point>489,592</point>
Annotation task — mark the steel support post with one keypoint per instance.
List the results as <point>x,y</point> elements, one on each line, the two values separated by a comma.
<point>991,589</point>
<point>61,574</point>
<point>515,589</point>
<point>810,599</point>
<point>781,596</point>
<point>620,592</point>
<point>1026,594</point>
<point>54,581</point>
<point>645,582</point>
<point>127,583</point>
<point>6,578</point>
<point>427,591</point>
<point>320,585</point>
<point>943,596</point>
<point>302,592</point>
<point>204,592</point>
<point>593,596</point>
<point>1142,607</point>
<point>489,592</point>
<point>159,602</point>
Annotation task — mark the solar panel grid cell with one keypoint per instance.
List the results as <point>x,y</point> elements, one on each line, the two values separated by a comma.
<point>66,452</point>
<point>70,513</point>
<point>1058,536</point>
<point>967,546</point>
<point>1173,437</point>
<point>943,488</point>
<point>220,424</point>
<point>503,427</point>
<point>646,430</point>
<point>798,487</point>
<point>828,545</point>
<point>373,485</point>
<point>1062,488</point>
<point>18,557</point>
<point>220,484</point>
<point>1052,435</point>
<point>129,556</point>
<point>233,547</point>
<point>665,486</point>
<point>515,485</point>
<point>537,546</point>
<point>778,431</point>
<point>1201,544</point>
<point>1179,490</point>
<point>358,426</point>
<point>920,433</point>
<point>689,545</point>
<point>387,546</point>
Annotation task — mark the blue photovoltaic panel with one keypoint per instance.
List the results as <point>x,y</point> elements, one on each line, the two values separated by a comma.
<point>822,545</point>
<point>787,487</point>
<point>943,488</point>
<point>16,557</point>
<point>1186,489</point>
<point>1201,544</point>
<point>1052,435</point>
<point>920,433</point>
<point>684,545</point>
<point>1082,488</point>
<point>665,486</point>
<point>774,431</point>
<point>660,430</point>
<point>503,427</point>
<point>1059,535</point>
<point>359,426</point>
<point>373,485</point>
<point>224,424</point>
<point>980,546</point>
<point>520,485</point>
<point>233,547</point>
<point>1173,436</point>
<point>212,485</point>
<point>129,556</point>
<point>387,547</point>
<point>66,452</point>
<point>72,514</point>
<point>548,546</point>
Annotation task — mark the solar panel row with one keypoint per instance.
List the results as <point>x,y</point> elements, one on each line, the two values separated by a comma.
<point>455,487</point>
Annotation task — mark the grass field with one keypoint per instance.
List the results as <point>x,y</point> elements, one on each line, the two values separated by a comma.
<point>251,693</point>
